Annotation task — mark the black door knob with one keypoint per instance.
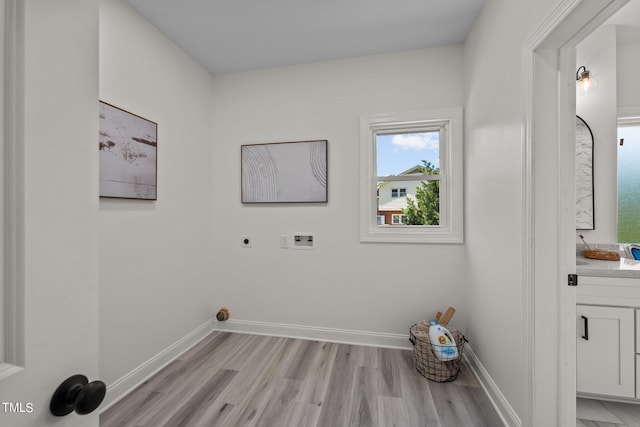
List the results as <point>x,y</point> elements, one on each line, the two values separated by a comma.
<point>76,393</point>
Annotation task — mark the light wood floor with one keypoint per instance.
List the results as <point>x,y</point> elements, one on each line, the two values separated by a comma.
<point>596,413</point>
<point>232,379</point>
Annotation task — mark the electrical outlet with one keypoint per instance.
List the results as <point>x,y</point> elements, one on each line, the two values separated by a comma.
<point>246,242</point>
<point>284,241</point>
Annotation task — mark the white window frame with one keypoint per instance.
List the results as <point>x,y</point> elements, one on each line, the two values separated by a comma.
<point>632,121</point>
<point>449,121</point>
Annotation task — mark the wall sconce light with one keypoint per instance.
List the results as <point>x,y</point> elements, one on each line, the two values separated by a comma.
<point>585,81</point>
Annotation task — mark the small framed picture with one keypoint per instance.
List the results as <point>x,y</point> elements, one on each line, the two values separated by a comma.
<point>284,172</point>
<point>128,147</point>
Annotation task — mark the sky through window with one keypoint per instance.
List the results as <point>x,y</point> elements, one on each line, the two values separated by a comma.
<point>397,153</point>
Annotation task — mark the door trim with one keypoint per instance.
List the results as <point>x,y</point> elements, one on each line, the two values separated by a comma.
<point>13,358</point>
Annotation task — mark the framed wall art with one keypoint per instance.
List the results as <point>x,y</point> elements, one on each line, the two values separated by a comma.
<point>128,154</point>
<point>284,172</point>
<point>584,176</point>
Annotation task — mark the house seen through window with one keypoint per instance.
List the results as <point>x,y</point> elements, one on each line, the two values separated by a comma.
<point>414,159</point>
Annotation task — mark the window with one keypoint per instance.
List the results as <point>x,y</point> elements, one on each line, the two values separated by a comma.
<point>398,192</point>
<point>411,172</point>
<point>398,219</point>
<point>628,180</point>
<point>380,220</point>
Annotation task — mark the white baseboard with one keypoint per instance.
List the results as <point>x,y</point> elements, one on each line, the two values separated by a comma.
<point>133,379</point>
<point>500,403</point>
<point>344,336</point>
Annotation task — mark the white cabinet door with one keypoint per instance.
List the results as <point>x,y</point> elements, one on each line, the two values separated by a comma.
<point>606,351</point>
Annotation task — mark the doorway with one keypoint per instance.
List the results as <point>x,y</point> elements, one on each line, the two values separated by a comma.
<point>549,109</point>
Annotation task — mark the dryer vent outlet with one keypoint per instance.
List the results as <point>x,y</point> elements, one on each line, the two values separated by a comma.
<point>303,241</point>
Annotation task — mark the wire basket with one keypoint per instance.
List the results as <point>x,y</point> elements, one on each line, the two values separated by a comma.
<point>427,364</point>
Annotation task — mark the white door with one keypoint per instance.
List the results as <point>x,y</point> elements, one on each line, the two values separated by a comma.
<point>51,107</point>
<point>606,351</point>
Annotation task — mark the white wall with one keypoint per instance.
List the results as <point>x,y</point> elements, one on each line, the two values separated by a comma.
<point>628,63</point>
<point>493,188</point>
<point>157,281</point>
<point>598,109</point>
<point>343,283</point>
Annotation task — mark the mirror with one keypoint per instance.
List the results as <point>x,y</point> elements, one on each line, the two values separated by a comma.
<point>584,176</point>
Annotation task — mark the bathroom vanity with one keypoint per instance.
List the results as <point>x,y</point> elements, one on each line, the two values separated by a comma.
<point>608,329</point>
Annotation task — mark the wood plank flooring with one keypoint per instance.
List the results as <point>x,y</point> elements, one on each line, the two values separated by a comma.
<point>600,413</point>
<point>232,379</point>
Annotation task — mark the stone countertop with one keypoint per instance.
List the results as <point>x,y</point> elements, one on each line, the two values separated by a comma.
<point>593,267</point>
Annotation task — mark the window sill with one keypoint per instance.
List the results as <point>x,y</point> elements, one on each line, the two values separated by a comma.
<point>393,234</point>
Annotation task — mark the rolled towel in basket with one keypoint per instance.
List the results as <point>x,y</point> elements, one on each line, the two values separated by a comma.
<point>422,326</point>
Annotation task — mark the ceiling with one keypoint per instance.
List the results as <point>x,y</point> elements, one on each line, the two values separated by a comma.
<point>239,35</point>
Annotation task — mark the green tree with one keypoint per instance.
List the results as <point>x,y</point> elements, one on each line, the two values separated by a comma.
<point>426,209</point>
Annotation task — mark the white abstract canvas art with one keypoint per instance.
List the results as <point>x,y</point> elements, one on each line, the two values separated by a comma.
<point>128,154</point>
<point>286,172</point>
<point>584,176</point>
